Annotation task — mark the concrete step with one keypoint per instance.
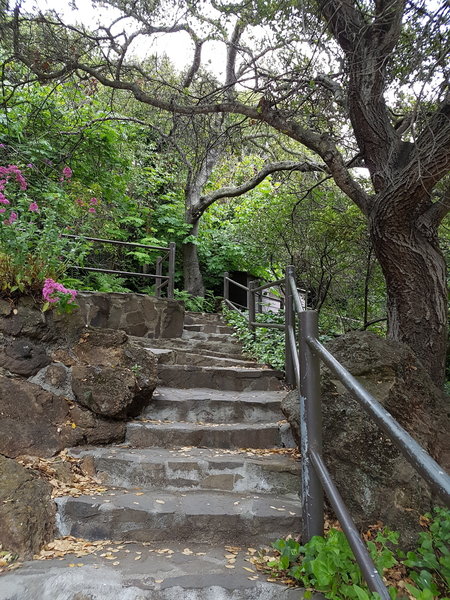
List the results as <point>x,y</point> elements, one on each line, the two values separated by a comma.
<point>201,335</point>
<point>194,468</point>
<point>159,434</point>
<point>183,357</point>
<point>209,328</point>
<point>219,378</point>
<point>205,405</point>
<point>164,571</point>
<point>196,318</point>
<point>197,517</point>
<point>230,349</point>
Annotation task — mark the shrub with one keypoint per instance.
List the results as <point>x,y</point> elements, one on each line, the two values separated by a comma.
<point>327,564</point>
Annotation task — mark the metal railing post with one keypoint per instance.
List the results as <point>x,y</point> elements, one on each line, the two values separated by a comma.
<point>310,427</point>
<point>289,322</point>
<point>251,304</point>
<point>259,305</point>
<point>226,286</point>
<point>158,272</point>
<point>171,283</point>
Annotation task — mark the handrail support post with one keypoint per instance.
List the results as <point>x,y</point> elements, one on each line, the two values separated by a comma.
<point>171,284</point>
<point>226,286</point>
<point>251,304</point>
<point>289,322</point>
<point>310,428</point>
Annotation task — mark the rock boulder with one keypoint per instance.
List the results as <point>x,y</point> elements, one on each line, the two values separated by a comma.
<point>27,512</point>
<point>113,377</point>
<point>36,422</point>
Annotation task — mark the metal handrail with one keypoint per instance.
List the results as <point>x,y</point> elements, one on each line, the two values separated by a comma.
<point>236,283</point>
<point>161,281</point>
<point>315,476</point>
<point>115,242</point>
<point>268,285</point>
<point>302,371</point>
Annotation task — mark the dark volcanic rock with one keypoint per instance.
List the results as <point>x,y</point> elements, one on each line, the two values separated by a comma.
<point>27,512</point>
<point>104,390</point>
<point>116,377</point>
<point>375,480</point>
<point>23,357</point>
<point>36,422</point>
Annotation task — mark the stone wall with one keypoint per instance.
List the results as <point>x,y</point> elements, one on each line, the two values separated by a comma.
<point>136,314</point>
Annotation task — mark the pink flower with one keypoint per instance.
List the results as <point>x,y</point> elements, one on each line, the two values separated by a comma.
<point>13,170</point>
<point>92,209</point>
<point>93,201</point>
<point>11,220</point>
<point>33,207</point>
<point>2,210</point>
<point>52,287</point>
<point>66,173</point>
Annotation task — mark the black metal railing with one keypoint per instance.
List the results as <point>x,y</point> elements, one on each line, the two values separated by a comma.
<point>161,281</point>
<point>304,352</point>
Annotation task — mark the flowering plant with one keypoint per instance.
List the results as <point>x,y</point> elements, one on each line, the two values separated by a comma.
<point>55,293</point>
<point>32,249</point>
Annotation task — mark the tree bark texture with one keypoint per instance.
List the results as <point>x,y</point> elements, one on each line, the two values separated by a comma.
<point>193,280</point>
<point>415,272</point>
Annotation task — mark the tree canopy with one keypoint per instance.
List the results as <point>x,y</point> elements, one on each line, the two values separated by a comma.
<point>346,84</point>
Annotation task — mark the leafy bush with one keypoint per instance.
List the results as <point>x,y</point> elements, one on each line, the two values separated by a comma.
<point>327,564</point>
<point>197,303</point>
<point>430,563</point>
<point>265,344</point>
<point>32,248</point>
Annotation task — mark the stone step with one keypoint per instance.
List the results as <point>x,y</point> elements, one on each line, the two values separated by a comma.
<point>230,349</point>
<point>196,318</point>
<point>205,405</point>
<point>164,571</point>
<point>201,335</point>
<point>209,328</point>
<point>194,468</point>
<point>183,357</point>
<point>159,434</point>
<point>197,517</point>
<point>220,378</point>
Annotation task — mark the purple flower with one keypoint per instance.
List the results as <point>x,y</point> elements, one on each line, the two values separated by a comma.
<point>66,173</point>
<point>2,210</point>
<point>51,287</point>
<point>92,209</point>
<point>93,201</point>
<point>12,218</point>
<point>33,207</point>
<point>12,170</point>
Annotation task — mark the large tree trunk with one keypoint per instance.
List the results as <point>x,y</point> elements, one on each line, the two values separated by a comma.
<point>415,272</point>
<point>193,280</point>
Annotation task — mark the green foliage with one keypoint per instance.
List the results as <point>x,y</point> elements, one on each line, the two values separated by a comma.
<point>197,303</point>
<point>104,282</point>
<point>327,564</point>
<point>265,344</point>
<point>32,248</point>
<point>430,563</point>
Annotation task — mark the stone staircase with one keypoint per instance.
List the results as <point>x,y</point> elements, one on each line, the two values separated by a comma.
<point>202,477</point>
